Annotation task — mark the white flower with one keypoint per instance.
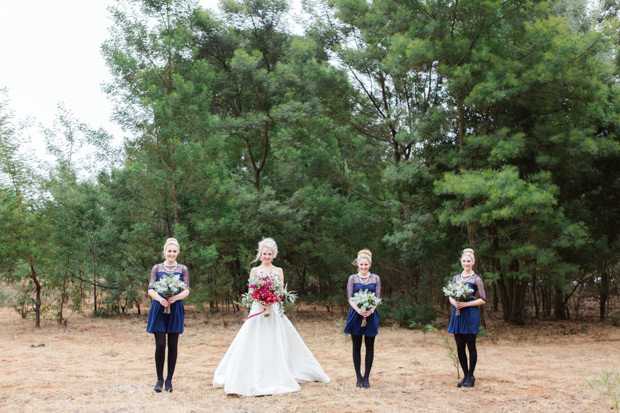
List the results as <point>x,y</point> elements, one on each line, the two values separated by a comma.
<point>458,290</point>
<point>169,285</point>
<point>365,300</point>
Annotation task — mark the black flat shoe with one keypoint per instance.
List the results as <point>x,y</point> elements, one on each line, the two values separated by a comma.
<point>158,385</point>
<point>365,383</point>
<point>169,386</point>
<point>469,382</point>
<point>359,382</point>
<point>460,384</point>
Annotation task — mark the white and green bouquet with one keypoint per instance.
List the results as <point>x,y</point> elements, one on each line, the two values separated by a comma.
<point>459,291</point>
<point>365,300</point>
<point>267,289</point>
<point>169,286</point>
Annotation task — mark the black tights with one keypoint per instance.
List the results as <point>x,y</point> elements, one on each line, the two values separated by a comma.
<point>160,354</point>
<point>357,356</point>
<point>468,340</point>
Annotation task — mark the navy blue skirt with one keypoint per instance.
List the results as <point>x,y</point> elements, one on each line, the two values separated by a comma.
<point>467,322</point>
<point>158,322</point>
<point>354,324</point>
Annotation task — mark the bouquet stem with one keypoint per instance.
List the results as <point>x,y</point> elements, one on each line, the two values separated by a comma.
<point>167,310</point>
<point>364,322</point>
<point>266,313</point>
<point>458,312</point>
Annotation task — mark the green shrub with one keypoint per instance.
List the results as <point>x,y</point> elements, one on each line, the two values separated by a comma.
<point>608,384</point>
<point>451,353</point>
<point>406,310</point>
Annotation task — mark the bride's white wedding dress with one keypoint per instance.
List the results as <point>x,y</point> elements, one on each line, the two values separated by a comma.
<point>267,357</point>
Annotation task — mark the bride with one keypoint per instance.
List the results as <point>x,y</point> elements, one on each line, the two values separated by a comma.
<point>267,356</point>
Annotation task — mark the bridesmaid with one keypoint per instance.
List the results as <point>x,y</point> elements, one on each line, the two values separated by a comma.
<point>465,326</point>
<point>363,280</point>
<point>160,323</point>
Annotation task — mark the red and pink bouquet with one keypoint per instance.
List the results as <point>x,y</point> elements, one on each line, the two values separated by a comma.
<point>267,289</point>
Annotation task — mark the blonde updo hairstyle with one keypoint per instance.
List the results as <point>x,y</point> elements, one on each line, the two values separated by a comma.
<point>363,254</point>
<point>266,243</point>
<point>171,241</point>
<point>470,253</point>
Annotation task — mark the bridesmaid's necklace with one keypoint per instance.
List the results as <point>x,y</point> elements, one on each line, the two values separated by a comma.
<point>170,270</point>
<point>465,279</point>
<point>363,279</point>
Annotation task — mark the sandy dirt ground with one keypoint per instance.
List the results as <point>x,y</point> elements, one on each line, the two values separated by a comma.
<point>106,365</point>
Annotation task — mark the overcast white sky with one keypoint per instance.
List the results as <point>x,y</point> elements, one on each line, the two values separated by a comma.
<point>50,53</point>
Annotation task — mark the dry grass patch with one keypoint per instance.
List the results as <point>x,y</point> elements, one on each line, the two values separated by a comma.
<point>106,365</point>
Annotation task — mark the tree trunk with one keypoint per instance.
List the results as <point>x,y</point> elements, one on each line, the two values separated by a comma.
<point>504,294</point>
<point>461,117</point>
<point>471,234</point>
<point>545,293</point>
<point>518,307</point>
<point>175,191</point>
<point>37,302</point>
<point>301,275</point>
<point>578,300</point>
<point>94,276</point>
<point>559,309</point>
<point>536,307</point>
<point>603,294</point>
<point>512,297</point>
<point>63,295</point>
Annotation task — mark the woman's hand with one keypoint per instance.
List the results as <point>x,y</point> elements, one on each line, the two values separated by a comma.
<point>461,304</point>
<point>366,314</point>
<point>172,299</point>
<point>164,303</point>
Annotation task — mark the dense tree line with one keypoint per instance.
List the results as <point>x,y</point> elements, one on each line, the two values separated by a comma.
<point>412,128</point>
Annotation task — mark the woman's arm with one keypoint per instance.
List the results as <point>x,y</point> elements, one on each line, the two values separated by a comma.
<point>452,300</point>
<point>355,307</point>
<point>378,293</point>
<point>152,293</point>
<point>156,297</point>
<point>358,310</point>
<point>350,295</point>
<point>178,296</point>
<point>462,304</point>
<point>474,303</point>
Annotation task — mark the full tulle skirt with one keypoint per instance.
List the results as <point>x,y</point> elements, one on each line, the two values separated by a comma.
<point>267,356</point>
